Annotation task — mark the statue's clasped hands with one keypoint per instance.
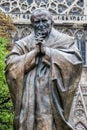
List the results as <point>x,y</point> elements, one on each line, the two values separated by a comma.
<point>40,47</point>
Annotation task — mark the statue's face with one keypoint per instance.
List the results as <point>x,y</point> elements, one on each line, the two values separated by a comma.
<point>42,24</point>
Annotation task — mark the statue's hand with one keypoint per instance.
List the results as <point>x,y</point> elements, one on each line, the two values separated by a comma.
<point>40,45</point>
<point>40,48</point>
<point>43,49</point>
<point>37,50</point>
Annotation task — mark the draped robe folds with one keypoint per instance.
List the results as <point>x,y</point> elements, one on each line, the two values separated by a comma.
<point>42,93</point>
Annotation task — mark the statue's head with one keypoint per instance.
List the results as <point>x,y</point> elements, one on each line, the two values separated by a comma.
<point>41,20</point>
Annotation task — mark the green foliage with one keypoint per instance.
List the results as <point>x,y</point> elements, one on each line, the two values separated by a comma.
<point>6,108</point>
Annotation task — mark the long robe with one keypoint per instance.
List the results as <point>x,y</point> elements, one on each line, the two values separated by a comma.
<point>42,88</point>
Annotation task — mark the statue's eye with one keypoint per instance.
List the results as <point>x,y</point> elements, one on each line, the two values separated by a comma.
<point>44,20</point>
<point>37,22</point>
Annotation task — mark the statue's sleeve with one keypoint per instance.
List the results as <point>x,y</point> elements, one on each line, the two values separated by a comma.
<point>18,62</point>
<point>66,67</point>
<point>68,59</point>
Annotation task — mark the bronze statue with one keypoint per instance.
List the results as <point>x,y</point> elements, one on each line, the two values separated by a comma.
<point>43,71</point>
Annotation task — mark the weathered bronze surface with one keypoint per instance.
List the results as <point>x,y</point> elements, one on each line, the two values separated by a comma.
<point>43,72</point>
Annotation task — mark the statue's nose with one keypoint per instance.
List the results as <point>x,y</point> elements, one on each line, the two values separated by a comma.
<point>41,24</point>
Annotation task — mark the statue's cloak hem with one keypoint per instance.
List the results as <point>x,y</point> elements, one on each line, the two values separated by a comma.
<point>66,66</point>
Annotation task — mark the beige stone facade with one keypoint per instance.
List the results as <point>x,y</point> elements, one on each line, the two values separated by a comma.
<point>69,16</point>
